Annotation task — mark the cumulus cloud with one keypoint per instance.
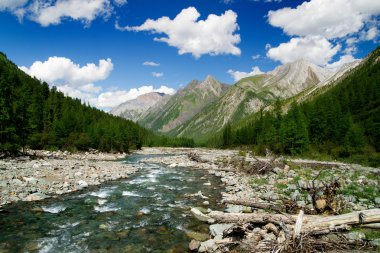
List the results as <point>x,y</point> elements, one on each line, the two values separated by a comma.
<point>53,12</point>
<point>61,70</point>
<point>327,18</point>
<point>238,75</point>
<point>214,35</point>
<point>344,59</point>
<point>47,14</point>
<point>114,98</point>
<point>315,49</point>
<point>151,63</point>
<point>157,74</point>
<point>79,81</point>
<point>11,4</point>
<point>255,57</point>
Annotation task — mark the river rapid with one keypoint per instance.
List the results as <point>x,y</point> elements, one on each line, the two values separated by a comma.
<point>148,212</point>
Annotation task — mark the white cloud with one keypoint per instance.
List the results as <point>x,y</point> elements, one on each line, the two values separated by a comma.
<point>327,18</point>
<point>344,59</point>
<point>61,70</point>
<point>214,35</point>
<point>268,46</point>
<point>151,63</point>
<point>78,81</point>
<point>46,13</point>
<point>157,74</point>
<point>53,12</point>
<point>11,4</point>
<point>371,34</point>
<point>238,75</point>
<point>317,50</point>
<point>114,98</point>
<point>120,2</point>
<point>255,57</point>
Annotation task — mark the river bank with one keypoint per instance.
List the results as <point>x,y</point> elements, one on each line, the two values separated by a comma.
<point>286,186</point>
<point>52,173</point>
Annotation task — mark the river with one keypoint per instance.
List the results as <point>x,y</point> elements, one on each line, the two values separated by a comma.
<point>148,212</point>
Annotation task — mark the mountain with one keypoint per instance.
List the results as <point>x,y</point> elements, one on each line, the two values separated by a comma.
<point>133,109</point>
<point>172,112</point>
<point>338,118</point>
<point>251,94</point>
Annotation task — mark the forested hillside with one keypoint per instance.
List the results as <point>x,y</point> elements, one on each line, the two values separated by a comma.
<point>343,122</point>
<point>33,115</point>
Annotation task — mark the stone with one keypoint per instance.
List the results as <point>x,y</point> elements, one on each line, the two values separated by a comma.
<point>355,236</point>
<point>277,170</point>
<point>103,226</point>
<point>218,229</point>
<point>271,227</point>
<point>82,184</point>
<point>237,209</point>
<point>295,195</point>
<point>292,187</point>
<point>208,246</point>
<point>301,203</point>
<point>269,237</point>
<point>377,201</point>
<point>206,203</point>
<point>194,245</point>
<point>36,196</point>
<point>271,195</point>
<point>320,204</point>
<point>375,242</point>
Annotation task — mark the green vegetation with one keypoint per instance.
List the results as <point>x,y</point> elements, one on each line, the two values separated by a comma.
<point>33,115</point>
<point>341,123</point>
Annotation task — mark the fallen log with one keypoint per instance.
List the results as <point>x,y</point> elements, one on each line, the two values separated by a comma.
<point>311,224</point>
<point>255,205</point>
<point>262,218</point>
<point>323,225</point>
<point>371,225</point>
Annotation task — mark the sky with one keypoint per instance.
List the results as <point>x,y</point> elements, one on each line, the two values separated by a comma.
<point>106,52</point>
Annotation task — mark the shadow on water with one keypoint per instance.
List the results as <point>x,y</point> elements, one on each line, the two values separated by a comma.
<point>148,212</point>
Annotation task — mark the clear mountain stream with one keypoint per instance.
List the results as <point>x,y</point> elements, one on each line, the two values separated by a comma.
<point>148,212</point>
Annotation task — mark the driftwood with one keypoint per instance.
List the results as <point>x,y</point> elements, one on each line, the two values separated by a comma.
<point>255,205</point>
<point>311,224</point>
<point>262,218</point>
<point>322,225</point>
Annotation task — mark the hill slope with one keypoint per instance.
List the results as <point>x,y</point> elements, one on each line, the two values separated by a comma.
<point>250,94</point>
<point>182,106</point>
<point>341,120</point>
<point>135,108</point>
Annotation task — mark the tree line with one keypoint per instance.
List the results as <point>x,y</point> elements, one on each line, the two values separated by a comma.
<point>343,122</point>
<point>36,116</point>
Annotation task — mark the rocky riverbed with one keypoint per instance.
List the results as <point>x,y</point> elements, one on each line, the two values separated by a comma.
<point>287,187</point>
<point>54,173</point>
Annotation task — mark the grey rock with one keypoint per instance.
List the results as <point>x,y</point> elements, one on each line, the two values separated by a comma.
<point>269,237</point>
<point>271,195</point>
<point>355,236</point>
<point>294,195</point>
<point>217,229</point>
<point>36,196</point>
<point>194,245</point>
<point>375,242</point>
<point>208,246</point>
<point>377,201</point>
<point>292,187</point>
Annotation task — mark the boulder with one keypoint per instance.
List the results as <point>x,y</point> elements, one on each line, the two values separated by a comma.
<point>194,245</point>
<point>82,184</point>
<point>218,229</point>
<point>36,196</point>
<point>208,246</point>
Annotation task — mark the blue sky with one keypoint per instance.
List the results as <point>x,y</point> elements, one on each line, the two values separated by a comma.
<point>96,49</point>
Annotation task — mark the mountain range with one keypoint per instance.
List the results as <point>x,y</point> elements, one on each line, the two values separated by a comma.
<point>203,108</point>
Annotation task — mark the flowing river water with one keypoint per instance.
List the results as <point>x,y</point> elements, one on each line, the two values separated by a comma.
<point>148,212</point>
